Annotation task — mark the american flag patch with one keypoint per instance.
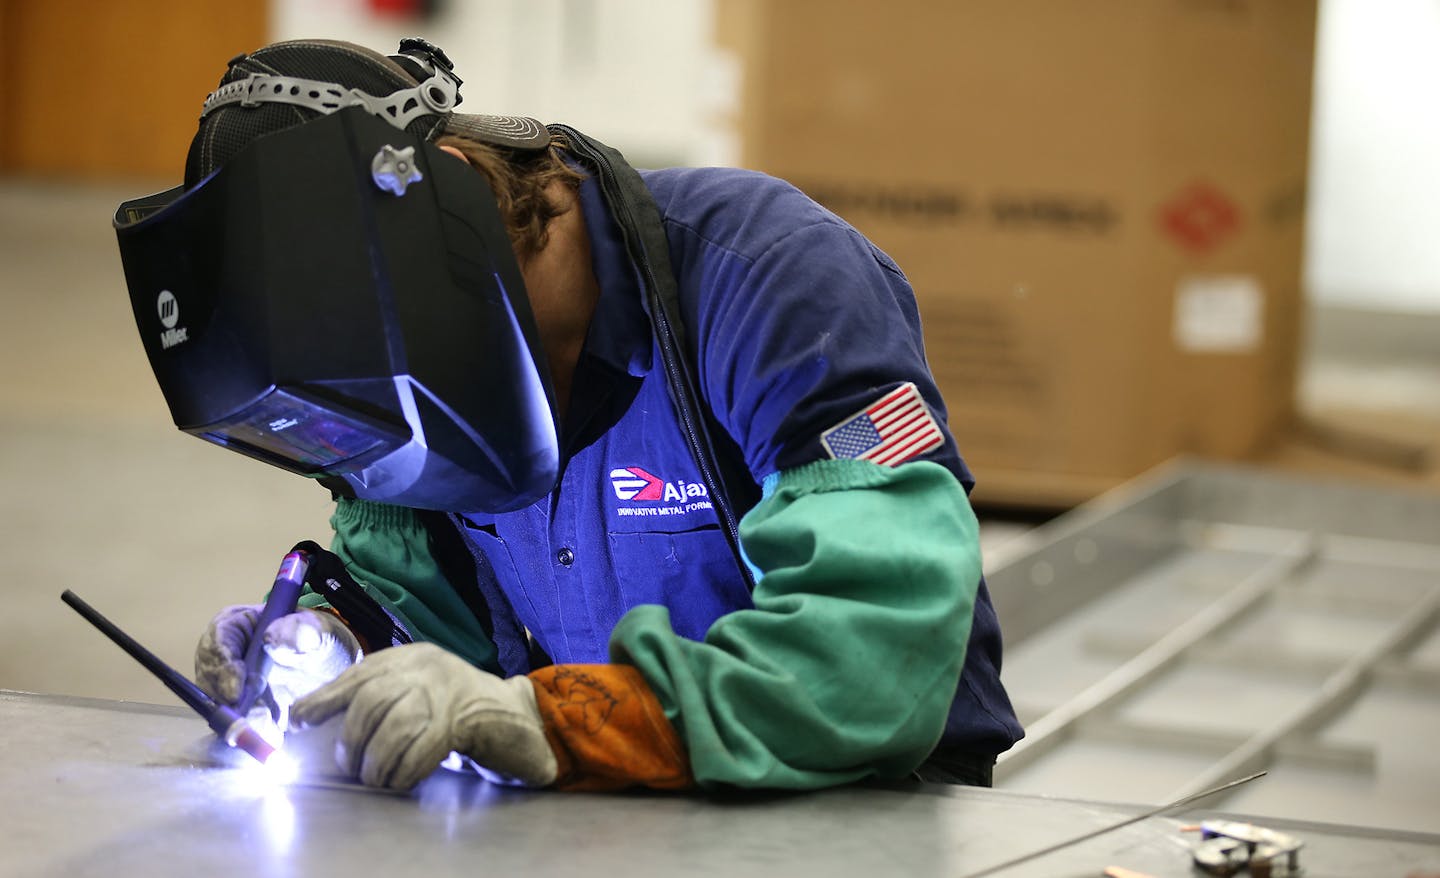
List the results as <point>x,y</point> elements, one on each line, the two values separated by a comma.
<point>890,431</point>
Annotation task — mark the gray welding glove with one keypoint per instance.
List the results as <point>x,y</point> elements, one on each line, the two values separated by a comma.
<point>307,649</point>
<point>408,707</point>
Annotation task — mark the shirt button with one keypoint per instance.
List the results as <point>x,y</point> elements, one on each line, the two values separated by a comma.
<point>565,556</point>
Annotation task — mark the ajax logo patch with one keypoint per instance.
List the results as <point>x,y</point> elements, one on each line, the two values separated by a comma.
<point>634,485</point>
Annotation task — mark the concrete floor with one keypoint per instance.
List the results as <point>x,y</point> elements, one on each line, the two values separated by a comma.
<point>155,529</point>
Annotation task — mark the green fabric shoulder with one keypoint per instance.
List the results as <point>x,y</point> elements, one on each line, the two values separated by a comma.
<point>383,546</point>
<point>847,665</point>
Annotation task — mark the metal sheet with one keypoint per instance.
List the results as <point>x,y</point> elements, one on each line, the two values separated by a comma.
<point>117,789</point>
<point>1210,619</point>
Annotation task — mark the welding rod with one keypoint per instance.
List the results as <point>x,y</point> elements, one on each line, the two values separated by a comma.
<point>228,724</point>
<point>1153,812</point>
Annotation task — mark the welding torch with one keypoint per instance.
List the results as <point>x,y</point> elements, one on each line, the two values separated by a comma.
<point>283,599</point>
<point>229,725</point>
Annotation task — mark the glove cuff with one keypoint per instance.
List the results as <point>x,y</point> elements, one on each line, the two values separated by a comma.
<point>608,730</point>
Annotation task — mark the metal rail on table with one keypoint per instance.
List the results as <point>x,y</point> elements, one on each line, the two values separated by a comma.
<point>1338,691</point>
<point>1049,731</point>
<point>1147,632</point>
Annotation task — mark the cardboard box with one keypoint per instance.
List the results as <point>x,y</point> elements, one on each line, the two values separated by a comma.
<point>1099,204</point>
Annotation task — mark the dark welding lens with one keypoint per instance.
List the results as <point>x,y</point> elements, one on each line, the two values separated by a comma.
<point>299,435</point>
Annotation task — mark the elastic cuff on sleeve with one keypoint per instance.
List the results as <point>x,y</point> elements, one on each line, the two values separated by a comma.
<point>820,476</point>
<point>359,514</point>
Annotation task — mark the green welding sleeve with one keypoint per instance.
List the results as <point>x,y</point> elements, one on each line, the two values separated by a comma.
<point>383,546</point>
<point>847,665</point>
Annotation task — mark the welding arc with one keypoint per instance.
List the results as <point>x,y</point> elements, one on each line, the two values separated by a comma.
<point>1170,806</point>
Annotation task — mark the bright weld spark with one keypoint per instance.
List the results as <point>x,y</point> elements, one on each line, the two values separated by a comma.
<point>281,769</point>
<point>259,778</point>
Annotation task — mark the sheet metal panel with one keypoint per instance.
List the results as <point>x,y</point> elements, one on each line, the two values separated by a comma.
<point>99,788</point>
<point>1210,617</point>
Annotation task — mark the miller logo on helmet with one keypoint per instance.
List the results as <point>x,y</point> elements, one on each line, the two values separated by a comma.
<point>169,310</point>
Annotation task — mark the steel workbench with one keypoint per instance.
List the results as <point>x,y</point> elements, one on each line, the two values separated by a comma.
<point>111,788</point>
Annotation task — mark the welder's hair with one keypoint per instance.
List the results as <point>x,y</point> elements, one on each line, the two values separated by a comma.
<point>520,179</point>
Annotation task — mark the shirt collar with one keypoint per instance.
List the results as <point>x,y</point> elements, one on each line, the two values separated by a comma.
<point>619,333</point>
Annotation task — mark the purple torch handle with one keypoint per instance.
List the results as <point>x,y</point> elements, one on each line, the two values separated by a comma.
<point>283,599</point>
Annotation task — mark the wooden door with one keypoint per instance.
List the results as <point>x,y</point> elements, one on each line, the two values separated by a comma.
<point>112,88</point>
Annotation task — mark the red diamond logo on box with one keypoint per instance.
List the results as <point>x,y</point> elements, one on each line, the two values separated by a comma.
<point>1200,217</point>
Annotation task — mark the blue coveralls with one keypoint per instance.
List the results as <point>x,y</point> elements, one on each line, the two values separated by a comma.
<point>631,522</point>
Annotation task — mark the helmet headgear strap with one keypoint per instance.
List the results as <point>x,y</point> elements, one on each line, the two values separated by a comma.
<point>437,94</point>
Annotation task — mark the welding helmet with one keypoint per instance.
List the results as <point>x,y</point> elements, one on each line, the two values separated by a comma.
<point>331,294</point>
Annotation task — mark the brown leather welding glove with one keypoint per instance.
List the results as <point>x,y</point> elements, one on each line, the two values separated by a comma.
<point>608,730</point>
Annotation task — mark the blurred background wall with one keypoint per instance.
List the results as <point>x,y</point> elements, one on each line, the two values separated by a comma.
<point>1375,163</point>
<point>1372,270</point>
<point>95,89</point>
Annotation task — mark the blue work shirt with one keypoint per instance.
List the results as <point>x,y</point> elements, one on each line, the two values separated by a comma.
<point>631,521</point>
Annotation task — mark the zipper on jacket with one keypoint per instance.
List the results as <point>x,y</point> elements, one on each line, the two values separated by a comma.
<point>682,391</point>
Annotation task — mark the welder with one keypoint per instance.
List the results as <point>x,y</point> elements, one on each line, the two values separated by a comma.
<point>641,478</point>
